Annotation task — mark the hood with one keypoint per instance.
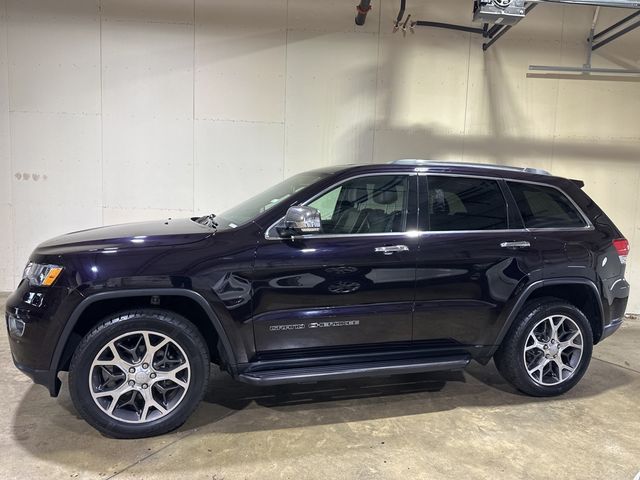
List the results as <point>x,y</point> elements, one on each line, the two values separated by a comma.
<point>161,233</point>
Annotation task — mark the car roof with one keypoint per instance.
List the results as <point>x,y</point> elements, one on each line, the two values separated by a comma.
<point>433,166</point>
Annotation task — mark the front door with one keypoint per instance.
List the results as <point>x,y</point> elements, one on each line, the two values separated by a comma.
<point>352,285</point>
<point>473,255</point>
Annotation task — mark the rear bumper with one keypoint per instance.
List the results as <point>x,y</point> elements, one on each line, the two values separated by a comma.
<point>610,329</point>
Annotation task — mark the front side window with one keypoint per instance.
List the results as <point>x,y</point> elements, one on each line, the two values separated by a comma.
<point>545,207</point>
<point>372,204</point>
<point>464,203</point>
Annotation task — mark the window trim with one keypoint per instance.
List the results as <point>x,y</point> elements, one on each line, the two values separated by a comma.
<point>413,233</point>
<point>501,191</point>
<point>347,235</point>
<point>588,225</point>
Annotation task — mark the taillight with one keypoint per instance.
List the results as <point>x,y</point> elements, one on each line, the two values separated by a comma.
<point>622,247</point>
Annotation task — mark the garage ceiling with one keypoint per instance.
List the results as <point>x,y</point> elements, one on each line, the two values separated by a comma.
<point>497,17</point>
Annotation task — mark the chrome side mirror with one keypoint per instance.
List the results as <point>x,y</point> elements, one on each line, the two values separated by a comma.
<point>300,221</point>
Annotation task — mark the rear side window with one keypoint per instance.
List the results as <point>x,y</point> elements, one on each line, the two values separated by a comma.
<point>545,207</point>
<point>460,203</point>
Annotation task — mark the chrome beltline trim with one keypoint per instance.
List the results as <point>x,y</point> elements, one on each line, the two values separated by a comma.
<point>589,226</point>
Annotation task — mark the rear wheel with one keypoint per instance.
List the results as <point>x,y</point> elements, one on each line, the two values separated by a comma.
<point>140,373</point>
<point>547,350</point>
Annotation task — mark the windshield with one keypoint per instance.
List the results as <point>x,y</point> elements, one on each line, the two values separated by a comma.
<point>251,208</point>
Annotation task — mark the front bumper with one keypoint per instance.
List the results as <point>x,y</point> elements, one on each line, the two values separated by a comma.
<point>33,350</point>
<point>46,378</point>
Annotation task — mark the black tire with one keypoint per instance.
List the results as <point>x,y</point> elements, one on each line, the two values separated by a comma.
<point>165,323</point>
<point>509,357</point>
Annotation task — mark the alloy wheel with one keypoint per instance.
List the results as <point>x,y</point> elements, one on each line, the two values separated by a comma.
<point>553,350</point>
<point>139,377</point>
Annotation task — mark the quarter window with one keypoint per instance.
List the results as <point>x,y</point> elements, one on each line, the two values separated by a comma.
<point>545,207</point>
<point>461,203</point>
<point>373,204</point>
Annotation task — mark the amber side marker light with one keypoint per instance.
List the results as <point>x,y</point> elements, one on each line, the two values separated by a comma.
<point>51,276</point>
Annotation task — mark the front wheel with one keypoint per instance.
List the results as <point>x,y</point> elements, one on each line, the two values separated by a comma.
<point>140,373</point>
<point>547,350</point>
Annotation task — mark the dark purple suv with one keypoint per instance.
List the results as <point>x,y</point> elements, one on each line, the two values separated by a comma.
<point>342,272</point>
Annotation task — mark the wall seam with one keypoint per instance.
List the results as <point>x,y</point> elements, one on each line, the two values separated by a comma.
<point>375,96</point>
<point>193,113</point>
<point>466,102</point>
<point>286,78</point>
<point>102,197</point>
<point>555,108</point>
<point>13,252</point>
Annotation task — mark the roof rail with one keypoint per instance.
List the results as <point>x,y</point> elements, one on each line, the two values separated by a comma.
<point>434,163</point>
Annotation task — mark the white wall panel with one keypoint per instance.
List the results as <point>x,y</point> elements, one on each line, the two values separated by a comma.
<point>7,269</point>
<point>395,144</point>
<point>503,101</point>
<point>332,16</point>
<point>633,261</point>
<point>113,216</point>
<point>160,11</point>
<point>581,114</point>
<point>510,118</point>
<point>612,183</point>
<point>423,88</point>
<point>330,99</point>
<point>63,166</point>
<point>242,15</point>
<point>148,162</point>
<point>6,222</point>
<point>57,180</point>
<point>147,70</point>
<point>437,10</point>
<point>234,161</point>
<point>198,104</point>
<point>5,153</point>
<point>54,56</point>
<point>147,122</point>
<point>240,60</point>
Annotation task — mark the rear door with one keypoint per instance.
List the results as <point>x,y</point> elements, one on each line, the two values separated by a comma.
<point>351,285</point>
<point>472,256</point>
<point>564,236</point>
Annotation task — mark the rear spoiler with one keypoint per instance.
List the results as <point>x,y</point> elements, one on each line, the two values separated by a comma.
<point>578,183</point>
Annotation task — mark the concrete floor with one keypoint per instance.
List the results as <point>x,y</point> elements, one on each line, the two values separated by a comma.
<point>450,425</point>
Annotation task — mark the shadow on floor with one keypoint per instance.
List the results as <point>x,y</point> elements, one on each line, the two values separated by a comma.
<point>302,405</point>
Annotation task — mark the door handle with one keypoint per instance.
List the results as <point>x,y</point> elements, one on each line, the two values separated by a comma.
<point>523,244</point>
<point>391,249</point>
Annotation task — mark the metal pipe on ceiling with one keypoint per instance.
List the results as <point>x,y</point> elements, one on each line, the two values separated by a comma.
<point>607,40</point>
<point>551,68</point>
<point>616,25</point>
<point>362,9</point>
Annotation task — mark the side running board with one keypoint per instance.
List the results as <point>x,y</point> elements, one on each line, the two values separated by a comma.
<point>354,370</point>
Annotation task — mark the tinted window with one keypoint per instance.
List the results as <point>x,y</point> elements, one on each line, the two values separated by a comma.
<point>458,203</point>
<point>375,204</point>
<point>545,207</point>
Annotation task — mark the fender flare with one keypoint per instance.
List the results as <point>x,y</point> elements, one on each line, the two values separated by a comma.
<point>143,292</point>
<point>524,296</point>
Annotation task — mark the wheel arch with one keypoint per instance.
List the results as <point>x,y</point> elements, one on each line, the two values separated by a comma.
<point>578,291</point>
<point>204,318</point>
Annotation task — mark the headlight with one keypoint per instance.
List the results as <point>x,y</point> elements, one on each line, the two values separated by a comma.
<point>41,275</point>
